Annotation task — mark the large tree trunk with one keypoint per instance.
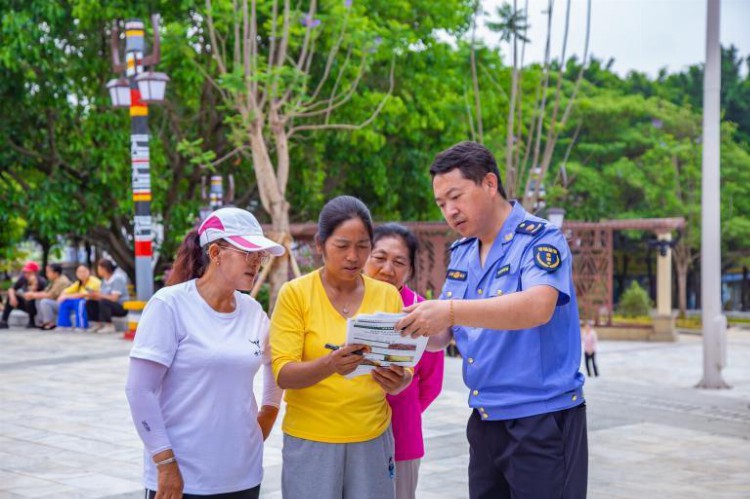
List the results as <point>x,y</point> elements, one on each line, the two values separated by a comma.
<point>272,99</point>
<point>682,272</point>
<point>46,247</point>
<point>622,275</point>
<point>272,196</point>
<point>745,289</point>
<point>682,259</point>
<point>87,245</point>
<point>650,277</point>
<point>697,289</point>
<point>280,272</point>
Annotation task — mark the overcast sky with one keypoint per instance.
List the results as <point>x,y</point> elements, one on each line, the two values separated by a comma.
<point>644,35</point>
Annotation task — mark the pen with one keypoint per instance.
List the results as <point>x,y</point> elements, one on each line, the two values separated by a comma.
<point>331,346</point>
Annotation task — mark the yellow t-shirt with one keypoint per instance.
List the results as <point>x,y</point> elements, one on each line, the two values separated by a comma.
<point>335,410</point>
<point>92,284</point>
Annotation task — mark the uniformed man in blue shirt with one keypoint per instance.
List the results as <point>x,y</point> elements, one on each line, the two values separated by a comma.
<point>509,302</point>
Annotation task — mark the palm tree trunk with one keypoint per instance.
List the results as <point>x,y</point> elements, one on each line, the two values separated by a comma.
<point>510,139</point>
<point>474,77</point>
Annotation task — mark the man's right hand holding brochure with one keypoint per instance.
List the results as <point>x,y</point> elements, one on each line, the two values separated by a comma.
<point>433,318</point>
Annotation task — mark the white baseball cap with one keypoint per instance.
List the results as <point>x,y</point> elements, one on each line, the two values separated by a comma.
<point>239,228</point>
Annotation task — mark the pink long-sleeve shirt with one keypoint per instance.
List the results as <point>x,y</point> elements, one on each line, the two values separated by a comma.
<point>409,405</point>
<point>589,341</point>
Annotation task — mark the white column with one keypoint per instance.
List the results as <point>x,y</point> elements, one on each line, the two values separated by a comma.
<point>664,279</point>
<point>714,322</point>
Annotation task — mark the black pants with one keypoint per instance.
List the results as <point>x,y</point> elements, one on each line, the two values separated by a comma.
<point>591,357</point>
<point>538,457</point>
<point>28,306</point>
<point>253,493</point>
<point>103,310</point>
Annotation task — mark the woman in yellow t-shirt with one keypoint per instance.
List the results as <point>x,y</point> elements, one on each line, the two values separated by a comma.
<point>337,437</point>
<point>73,299</point>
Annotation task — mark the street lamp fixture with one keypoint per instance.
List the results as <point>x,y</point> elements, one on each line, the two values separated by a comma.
<point>556,217</point>
<point>119,91</point>
<point>138,86</point>
<point>152,86</point>
<point>664,245</point>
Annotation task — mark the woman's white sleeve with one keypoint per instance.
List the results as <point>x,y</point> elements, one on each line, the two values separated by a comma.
<point>144,380</point>
<point>271,391</point>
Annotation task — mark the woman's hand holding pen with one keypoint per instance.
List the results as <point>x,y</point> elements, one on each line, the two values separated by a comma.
<point>345,360</point>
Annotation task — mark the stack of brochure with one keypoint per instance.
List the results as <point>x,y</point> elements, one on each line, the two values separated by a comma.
<point>386,345</point>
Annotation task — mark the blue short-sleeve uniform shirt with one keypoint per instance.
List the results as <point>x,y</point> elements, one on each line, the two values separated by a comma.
<point>520,373</point>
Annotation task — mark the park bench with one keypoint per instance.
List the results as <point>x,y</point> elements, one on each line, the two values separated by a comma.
<point>19,318</point>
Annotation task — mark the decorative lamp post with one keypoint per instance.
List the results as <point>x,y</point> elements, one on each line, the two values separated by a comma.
<point>216,199</point>
<point>152,86</point>
<point>138,88</point>
<point>119,91</point>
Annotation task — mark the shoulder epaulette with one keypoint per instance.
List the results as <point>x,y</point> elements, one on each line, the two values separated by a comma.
<point>461,242</point>
<point>530,227</point>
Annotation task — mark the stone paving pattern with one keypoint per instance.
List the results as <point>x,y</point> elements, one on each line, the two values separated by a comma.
<point>65,429</point>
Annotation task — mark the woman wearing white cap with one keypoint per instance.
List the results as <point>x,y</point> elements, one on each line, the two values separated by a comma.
<point>198,346</point>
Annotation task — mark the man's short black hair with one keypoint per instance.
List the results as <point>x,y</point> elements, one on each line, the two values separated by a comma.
<point>474,160</point>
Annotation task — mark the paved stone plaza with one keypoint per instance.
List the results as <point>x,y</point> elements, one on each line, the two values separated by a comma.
<point>65,429</point>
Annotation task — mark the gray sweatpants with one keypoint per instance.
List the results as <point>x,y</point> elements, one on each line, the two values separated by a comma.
<point>48,309</point>
<point>362,470</point>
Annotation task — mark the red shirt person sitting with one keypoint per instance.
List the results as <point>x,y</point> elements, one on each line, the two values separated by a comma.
<point>29,282</point>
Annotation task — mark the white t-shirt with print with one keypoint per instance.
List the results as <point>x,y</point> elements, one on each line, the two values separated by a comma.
<point>206,397</point>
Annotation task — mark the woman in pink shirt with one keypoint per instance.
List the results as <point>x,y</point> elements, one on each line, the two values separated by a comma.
<point>393,260</point>
<point>589,347</point>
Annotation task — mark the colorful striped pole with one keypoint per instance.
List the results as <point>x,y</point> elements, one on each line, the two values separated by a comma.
<point>216,199</point>
<point>135,46</point>
<point>135,309</point>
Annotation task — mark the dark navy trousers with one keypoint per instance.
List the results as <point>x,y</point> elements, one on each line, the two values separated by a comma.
<point>253,493</point>
<point>537,457</point>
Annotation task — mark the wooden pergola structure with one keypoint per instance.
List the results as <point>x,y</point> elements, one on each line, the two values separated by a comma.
<point>593,263</point>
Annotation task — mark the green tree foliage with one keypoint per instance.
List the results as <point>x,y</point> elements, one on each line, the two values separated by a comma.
<point>65,151</point>
<point>638,155</point>
<point>11,234</point>
<point>686,88</point>
<point>386,163</point>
